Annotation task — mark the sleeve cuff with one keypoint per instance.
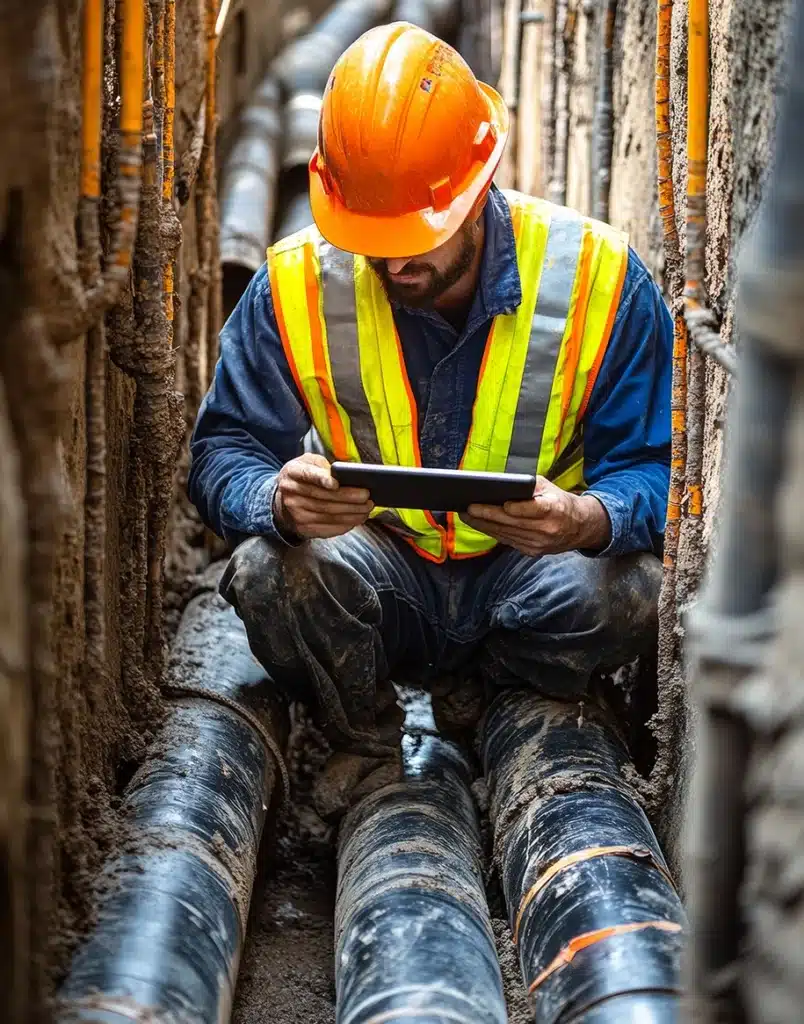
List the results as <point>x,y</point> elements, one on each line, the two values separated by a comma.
<point>258,517</point>
<point>619,513</point>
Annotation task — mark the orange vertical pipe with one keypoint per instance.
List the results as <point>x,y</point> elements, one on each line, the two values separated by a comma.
<point>168,143</point>
<point>667,211</point>
<point>697,152</point>
<point>697,111</point>
<point>168,154</point>
<point>133,67</point>
<point>92,99</point>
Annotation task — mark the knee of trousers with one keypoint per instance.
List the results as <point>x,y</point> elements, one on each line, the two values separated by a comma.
<point>264,574</point>
<point>594,595</point>
<point>617,596</point>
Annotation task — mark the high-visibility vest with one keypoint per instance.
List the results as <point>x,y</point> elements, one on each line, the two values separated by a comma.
<point>536,377</point>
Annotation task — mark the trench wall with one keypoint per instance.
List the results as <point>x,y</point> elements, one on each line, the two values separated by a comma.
<point>82,594</point>
<point>560,84</point>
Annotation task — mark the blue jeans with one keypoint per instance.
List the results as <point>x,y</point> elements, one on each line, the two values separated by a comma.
<point>333,620</point>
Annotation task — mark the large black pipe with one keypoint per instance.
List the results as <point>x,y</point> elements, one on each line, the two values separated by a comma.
<point>173,902</point>
<point>248,191</point>
<point>413,936</point>
<point>593,910</point>
<point>294,204</point>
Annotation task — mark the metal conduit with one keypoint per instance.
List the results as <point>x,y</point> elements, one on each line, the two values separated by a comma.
<point>305,65</point>
<point>593,910</point>
<point>174,902</point>
<point>248,193</point>
<point>437,16</point>
<point>413,935</point>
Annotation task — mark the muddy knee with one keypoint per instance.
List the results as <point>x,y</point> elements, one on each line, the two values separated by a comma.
<point>253,577</point>
<point>312,581</point>
<point>634,585</point>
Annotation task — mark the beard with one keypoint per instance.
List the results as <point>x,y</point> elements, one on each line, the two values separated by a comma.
<point>424,294</point>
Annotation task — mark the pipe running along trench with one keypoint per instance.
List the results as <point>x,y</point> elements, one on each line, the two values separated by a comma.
<point>592,906</point>
<point>173,903</point>
<point>412,929</point>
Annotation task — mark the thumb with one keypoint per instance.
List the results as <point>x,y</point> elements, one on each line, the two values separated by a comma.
<point>324,479</point>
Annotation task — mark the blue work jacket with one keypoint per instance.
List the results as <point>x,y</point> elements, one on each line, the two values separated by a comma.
<point>253,418</point>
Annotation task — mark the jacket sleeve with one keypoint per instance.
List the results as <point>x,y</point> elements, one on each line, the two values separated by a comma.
<point>250,423</point>
<point>627,428</point>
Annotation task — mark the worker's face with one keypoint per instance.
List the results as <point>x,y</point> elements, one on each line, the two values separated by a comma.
<point>418,281</point>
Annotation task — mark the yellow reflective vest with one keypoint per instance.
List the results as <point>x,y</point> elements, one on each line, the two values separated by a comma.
<point>538,369</point>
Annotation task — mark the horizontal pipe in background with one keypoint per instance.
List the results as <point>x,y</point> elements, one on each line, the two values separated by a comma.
<point>593,910</point>
<point>413,935</point>
<point>437,16</point>
<point>173,903</point>
<point>248,194</point>
<point>305,65</point>
<point>296,211</point>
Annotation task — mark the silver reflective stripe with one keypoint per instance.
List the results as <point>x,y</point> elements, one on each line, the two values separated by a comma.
<point>340,317</point>
<point>562,251</point>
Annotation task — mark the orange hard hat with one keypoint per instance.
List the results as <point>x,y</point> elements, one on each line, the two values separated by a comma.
<point>408,143</point>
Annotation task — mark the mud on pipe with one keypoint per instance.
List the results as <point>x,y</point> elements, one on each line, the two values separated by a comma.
<point>174,900</point>
<point>413,936</point>
<point>592,906</point>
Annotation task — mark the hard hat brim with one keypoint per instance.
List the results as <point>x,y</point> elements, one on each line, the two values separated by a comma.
<point>411,234</point>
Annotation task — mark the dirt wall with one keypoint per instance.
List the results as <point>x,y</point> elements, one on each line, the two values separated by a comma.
<point>747,64</point>
<point>91,424</point>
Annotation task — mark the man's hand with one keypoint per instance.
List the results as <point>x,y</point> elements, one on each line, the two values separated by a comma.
<point>551,521</point>
<point>309,502</point>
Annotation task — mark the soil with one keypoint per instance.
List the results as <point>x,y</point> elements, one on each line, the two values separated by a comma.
<point>287,975</point>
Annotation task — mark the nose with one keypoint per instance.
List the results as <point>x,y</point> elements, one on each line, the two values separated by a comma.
<point>397,266</point>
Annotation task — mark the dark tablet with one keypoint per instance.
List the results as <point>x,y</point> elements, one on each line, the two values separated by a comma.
<point>440,490</point>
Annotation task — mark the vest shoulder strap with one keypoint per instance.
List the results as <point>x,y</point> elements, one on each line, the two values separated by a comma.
<point>296,241</point>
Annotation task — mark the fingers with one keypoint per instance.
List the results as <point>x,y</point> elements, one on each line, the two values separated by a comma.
<point>540,506</point>
<point>311,471</point>
<point>333,508</point>
<point>514,534</point>
<point>302,481</point>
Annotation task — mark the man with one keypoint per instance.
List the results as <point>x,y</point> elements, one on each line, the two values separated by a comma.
<point>429,319</point>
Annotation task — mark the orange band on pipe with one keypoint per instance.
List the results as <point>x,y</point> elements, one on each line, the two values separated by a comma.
<point>133,67</point>
<point>580,942</point>
<point>92,82</point>
<point>639,853</point>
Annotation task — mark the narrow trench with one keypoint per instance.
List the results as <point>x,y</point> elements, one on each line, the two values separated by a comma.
<point>287,972</point>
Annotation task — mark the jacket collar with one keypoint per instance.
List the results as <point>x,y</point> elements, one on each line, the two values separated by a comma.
<point>500,285</point>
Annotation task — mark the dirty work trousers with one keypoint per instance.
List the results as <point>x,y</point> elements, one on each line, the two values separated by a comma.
<point>333,620</point>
